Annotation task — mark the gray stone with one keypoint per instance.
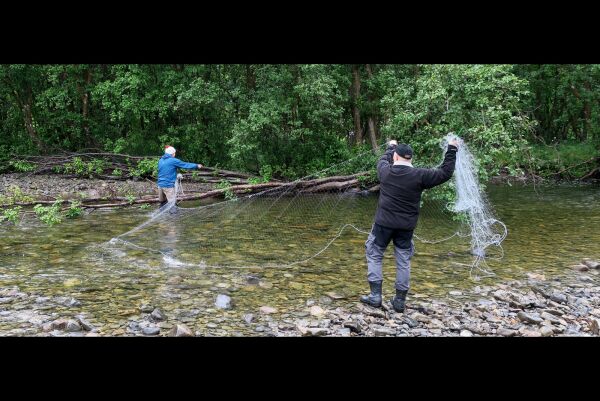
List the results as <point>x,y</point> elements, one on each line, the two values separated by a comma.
<point>550,317</point>
<point>223,301</point>
<point>504,332</point>
<point>595,326</point>
<point>59,324</point>
<point>546,331</point>
<point>267,310</point>
<point>314,331</point>
<point>592,264</point>
<point>157,315</point>
<point>335,295</point>
<point>252,279</point>
<point>146,308</point>
<point>353,326</point>
<point>85,324</point>
<point>316,311</point>
<point>558,297</point>
<point>150,331</point>
<point>383,331</point>
<point>259,329</point>
<point>421,318</point>
<point>345,332</point>
<point>248,317</point>
<point>72,325</point>
<point>529,318</point>
<point>466,333</point>
<point>180,330</point>
<point>580,267</point>
<point>412,323</point>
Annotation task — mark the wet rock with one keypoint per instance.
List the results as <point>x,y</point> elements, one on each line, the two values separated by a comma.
<point>41,300</point>
<point>345,332</point>
<point>150,331</point>
<point>504,332</point>
<point>267,310</point>
<point>455,293</point>
<point>421,318</point>
<point>85,324</point>
<point>592,264</point>
<point>223,301</point>
<point>353,326</point>
<point>252,279</point>
<point>59,324</point>
<point>316,311</point>
<point>72,325</point>
<point>528,332</point>
<point>6,300</point>
<point>529,318</point>
<point>248,318</point>
<point>378,313</point>
<point>558,297</point>
<point>157,315</point>
<point>595,326</point>
<point>325,300</point>
<point>410,321</point>
<point>259,329</point>
<point>383,331</point>
<point>579,267</point>
<point>550,317</point>
<point>466,333</point>
<point>67,301</point>
<point>265,284</point>
<point>146,308</point>
<point>312,331</point>
<point>546,331</point>
<point>180,330</point>
<point>134,326</point>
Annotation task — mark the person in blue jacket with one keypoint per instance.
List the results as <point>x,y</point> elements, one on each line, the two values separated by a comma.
<point>167,174</point>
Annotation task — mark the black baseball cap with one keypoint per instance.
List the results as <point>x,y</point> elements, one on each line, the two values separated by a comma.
<point>404,150</point>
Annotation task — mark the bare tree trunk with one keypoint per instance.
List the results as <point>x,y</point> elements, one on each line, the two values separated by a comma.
<point>372,135</point>
<point>372,124</point>
<point>85,100</point>
<point>355,110</point>
<point>28,119</point>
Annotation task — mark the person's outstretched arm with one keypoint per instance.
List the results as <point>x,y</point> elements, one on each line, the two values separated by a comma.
<point>185,165</point>
<point>385,160</point>
<point>437,176</point>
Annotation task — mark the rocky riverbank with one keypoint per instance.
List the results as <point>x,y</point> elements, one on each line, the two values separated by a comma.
<point>51,187</point>
<point>533,307</point>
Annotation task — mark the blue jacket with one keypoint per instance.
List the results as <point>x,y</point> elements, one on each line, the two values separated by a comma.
<point>167,170</point>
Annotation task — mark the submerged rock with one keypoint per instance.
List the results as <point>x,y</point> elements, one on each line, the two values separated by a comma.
<point>150,331</point>
<point>223,301</point>
<point>180,330</point>
<point>157,315</point>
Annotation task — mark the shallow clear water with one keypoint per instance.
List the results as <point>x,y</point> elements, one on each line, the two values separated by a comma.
<point>181,262</point>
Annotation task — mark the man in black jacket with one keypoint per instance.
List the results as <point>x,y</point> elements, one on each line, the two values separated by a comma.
<point>397,213</point>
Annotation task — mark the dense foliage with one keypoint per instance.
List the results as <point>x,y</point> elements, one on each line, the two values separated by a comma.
<point>292,120</point>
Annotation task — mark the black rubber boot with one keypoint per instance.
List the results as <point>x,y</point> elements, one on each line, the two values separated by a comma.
<point>399,301</point>
<point>163,203</point>
<point>374,298</point>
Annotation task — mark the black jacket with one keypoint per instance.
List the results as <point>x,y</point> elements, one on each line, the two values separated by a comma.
<point>401,187</point>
